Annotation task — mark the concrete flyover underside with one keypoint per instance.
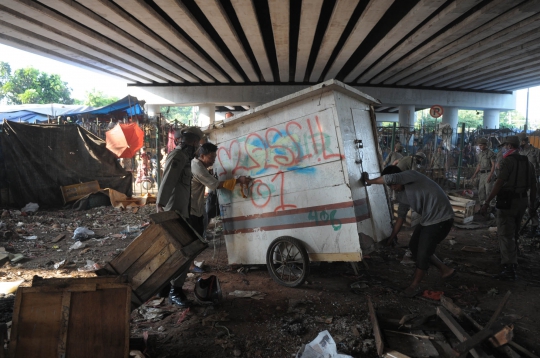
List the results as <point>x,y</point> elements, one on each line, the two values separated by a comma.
<point>465,45</point>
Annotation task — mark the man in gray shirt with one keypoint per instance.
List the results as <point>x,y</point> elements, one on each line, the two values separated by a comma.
<point>415,190</point>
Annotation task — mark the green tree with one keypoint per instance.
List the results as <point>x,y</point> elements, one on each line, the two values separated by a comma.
<point>29,85</point>
<point>179,114</point>
<point>96,98</point>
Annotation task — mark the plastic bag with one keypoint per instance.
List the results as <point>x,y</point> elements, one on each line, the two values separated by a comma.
<point>82,233</point>
<point>323,346</point>
<point>76,246</point>
<point>30,208</point>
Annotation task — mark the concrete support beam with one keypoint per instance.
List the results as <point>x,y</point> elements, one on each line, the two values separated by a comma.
<point>491,118</point>
<point>434,24</point>
<point>207,115</point>
<point>386,117</point>
<point>215,13</point>
<point>407,116</point>
<point>309,18</point>
<point>280,18</point>
<point>412,19</point>
<point>248,20</point>
<point>450,116</point>
<point>478,18</point>
<point>369,18</point>
<point>255,95</point>
<point>153,109</point>
<point>341,14</point>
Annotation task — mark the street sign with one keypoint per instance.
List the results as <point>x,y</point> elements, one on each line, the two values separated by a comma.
<point>436,111</point>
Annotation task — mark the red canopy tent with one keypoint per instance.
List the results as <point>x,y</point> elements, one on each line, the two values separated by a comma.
<point>125,140</point>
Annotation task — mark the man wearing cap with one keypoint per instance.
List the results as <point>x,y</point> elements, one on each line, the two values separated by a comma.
<point>410,163</point>
<point>175,191</point>
<point>516,177</point>
<point>484,169</point>
<point>532,154</point>
<point>395,155</point>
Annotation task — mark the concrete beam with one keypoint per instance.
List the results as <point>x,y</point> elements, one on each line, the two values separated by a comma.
<point>387,117</point>
<point>407,116</point>
<point>393,97</point>
<point>432,26</point>
<point>523,76</point>
<point>309,17</point>
<point>183,18</point>
<point>380,109</point>
<point>215,13</point>
<point>491,118</point>
<point>512,74</point>
<point>341,15</point>
<point>280,18</point>
<point>524,84</point>
<point>42,14</point>
<point>248,20</point>
<point>482,59</point>
<point>369,18</point>
<point>25,46</point>
<point>485,14</point>
<point>507,19</point>
<point>198,65</point>
<point>411,20</point>
<point>16,32</point>
<point>111,12</point>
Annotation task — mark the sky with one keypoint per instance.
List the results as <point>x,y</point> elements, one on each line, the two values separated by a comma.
<point>81,80</point>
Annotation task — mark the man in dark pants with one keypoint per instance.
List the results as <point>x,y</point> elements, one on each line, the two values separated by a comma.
<point>516,177</point>
<point>415,190</point>
<point>202,179</point>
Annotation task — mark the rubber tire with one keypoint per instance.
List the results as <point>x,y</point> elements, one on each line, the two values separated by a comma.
<point>303,253</point>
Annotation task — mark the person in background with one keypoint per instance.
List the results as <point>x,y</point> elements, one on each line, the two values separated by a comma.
<point>484,170</point>
<point>412,162</point>
<point>516,178</point>
<point>532,154</point>
<point>143,165</point>
<point>395,155</point>
<point>438,165</point>
<point>415,190</point>
<point>202,179</point>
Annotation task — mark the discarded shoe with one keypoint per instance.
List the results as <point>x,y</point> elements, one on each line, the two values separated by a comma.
<point>178,297</point>
<point>508,273</point>
<point>410,292</point>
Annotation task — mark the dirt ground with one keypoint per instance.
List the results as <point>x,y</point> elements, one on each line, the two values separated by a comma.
<point>283,319</point>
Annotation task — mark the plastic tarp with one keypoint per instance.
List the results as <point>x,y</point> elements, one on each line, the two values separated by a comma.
<point>128,104</point>
<point>39,159</point>
<point>24,116</point>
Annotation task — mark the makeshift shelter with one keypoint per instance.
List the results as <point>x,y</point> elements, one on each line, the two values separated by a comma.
<point>39,159</point>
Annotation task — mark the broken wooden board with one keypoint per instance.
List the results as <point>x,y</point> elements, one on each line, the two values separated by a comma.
<point>71,319</point>
<point>58,238</point>
<point>413,345</point>
<point>376,329</point>
<point>458,331</point>
<point>160,253</point>
<point>77,191</point>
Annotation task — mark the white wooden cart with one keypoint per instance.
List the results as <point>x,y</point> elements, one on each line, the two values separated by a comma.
<point>306,153</point>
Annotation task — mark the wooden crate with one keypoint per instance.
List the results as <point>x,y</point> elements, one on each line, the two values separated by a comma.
<point>77,191</point>
<point>463,209</point>
<point>159,254</point>
<point>72,318</point>
<point>412,219</point>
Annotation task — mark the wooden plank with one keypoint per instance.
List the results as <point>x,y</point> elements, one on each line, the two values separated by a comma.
<point>164,216</point>
<point>394,354</point>
<point>62,340</point>
<point>136,248</point>
<point>138,264</point>
<point>499,309</point>
<point>376,329</point>
<point>98,324</point>
<point>458,331</point>
<point>479,337</point>
<point>180,233</point>
<point>62,283</point>
<point>193,249</point>
<point>58,238</point>
<point>152,265</point>
<point>344,257</point>
<point>15,324</point>
<point>77,191</point>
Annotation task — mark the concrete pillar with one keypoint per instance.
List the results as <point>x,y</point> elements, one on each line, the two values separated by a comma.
<point>207,115</point>
<point>491,118</point>
<point>450,117</point>
<point>407,116</point>
<point>153,109</point>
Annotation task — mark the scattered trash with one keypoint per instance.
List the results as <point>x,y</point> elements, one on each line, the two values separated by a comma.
<point>493,292</point>
<point>30,208</point>
<point>321,347</point>
<point>151,313</point>
<point>33,237</point>
<point>15,257</point>
<point>9,287</point>
<point>358,286</point>
<point>473,249</point>
<point>433,295</point>
<point>2,225</point>
<point>407,259</point>
<point>199,264</point>
<point>155,303</point>
<point>256,295</point>
<point>90,266</point>
<point>492,229</point>
<point>452,242</point>
<point>137,354</point>
<point>58,238</point>
<point>82,233</point>
<point>20,224</point>
<point>60,264</point>
<point>77,245</point>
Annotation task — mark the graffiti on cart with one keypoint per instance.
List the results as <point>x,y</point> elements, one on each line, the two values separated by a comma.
<point>292,146</point>
<point>323,218</point>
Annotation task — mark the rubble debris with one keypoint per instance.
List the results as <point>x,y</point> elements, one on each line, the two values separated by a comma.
<point>58,238</point>
<point>82,233</point>
<point>30,208</point>
<point>78,245</point>
<point>33,237</point>
<point>323,346</point>
<point>432,295</point>
<point>256,295</point>
<point>59,265</point>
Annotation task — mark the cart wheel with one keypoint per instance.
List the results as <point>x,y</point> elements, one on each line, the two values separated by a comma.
<point>146,185</point>
<point>287,261</point>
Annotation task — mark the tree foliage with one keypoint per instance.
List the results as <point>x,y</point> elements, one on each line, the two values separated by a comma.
<point>179,114</point>
<point>96,98</point>
<point>29,85</point>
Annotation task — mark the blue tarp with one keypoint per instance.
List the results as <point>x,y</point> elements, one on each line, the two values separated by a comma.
<point>32,113</point>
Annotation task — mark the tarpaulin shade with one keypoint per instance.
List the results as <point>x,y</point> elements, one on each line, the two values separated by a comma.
<point>125,140</point>
<point>39,159</point>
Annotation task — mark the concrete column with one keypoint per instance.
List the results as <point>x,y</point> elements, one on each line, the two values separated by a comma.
<point>491,118</point>
<point>450,117</point>
<point>153,109</point>
<point>207,115</point>
<point>407,116</point>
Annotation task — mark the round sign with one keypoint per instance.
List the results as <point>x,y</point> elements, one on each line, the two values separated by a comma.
<point>436,111</point>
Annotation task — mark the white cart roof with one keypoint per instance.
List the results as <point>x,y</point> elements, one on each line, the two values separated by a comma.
<point>330,85</point>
